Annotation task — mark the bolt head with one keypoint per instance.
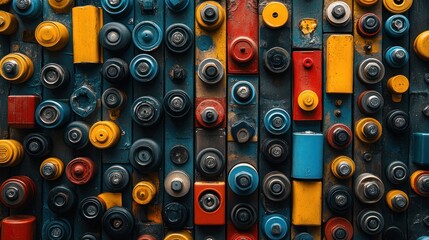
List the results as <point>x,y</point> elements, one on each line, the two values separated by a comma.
<point>338,12</point>
<point>373,102</point>
<point>344,169</point>
<point>113,36</point>
<point>276,151</point>
<point>370,130</point>
<point>370,22</point>
<point>341,200</point>
<point>340,233</point>
<point>276,187</point>
<point>399,201</point>
<point>243,180</point>
<point>397,24</point>
<point>276,229</point>
<point>143,68</point>
<point>371,190</point>
<point>176,185</point>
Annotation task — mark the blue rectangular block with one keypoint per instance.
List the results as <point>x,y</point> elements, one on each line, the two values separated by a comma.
<point>307,155</point>
<point>420,141</point>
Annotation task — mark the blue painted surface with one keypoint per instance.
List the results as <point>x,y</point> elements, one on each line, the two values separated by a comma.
<point>309,9</point>
<point>204,42</point>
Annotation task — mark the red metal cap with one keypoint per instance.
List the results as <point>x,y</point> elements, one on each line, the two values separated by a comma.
<point>17,191</point>
<point>243,49</point>
<point>332,136</point>
<point>339,227</point>
<point>18,227</point>
<point>146,237</point>
<point>243,237</point>
<point>206,105</point>
<point>80,170</point>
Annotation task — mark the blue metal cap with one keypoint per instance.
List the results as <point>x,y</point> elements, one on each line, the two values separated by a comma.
<point>147,36</point>
<point>277,121</point>
<point>243,92</point>
<point>144,68</point>
<point>275,226</point>
<point>303,236</point>
<point>397,26</point>
<point>116,7</point>
<point>52,114</point>
<point>396,57</point>
<point>27,8</point>
<point>243,179</point>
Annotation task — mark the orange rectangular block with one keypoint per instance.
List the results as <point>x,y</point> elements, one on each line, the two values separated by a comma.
<point>307,203</point>
<point>206,190</point>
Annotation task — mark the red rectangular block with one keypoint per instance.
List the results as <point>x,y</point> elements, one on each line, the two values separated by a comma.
<point>203,217</point>
<point>21,110</point>
<point>307,85</point>
<point>242,36</point>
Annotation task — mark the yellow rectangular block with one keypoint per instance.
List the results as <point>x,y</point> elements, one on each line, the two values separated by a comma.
<point>87,22</point>
<point>339,64</point>
<point>307,203</point>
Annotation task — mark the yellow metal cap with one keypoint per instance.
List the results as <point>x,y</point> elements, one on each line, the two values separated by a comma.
<point>182,235</point>
<point>144,192</point>
<point>21,67</point>
<point>57,164</point>
<point>421,45</point>
<point>394,7</point>
<point>212,25</point>
<point>366,3</point>
<point>397,200</point>
<point>308,100</point>
<point>8,23</point>
<point>11,152</point>
<point>336,167</point>
<point>275,15</point>
<point>61,6</point>
<point>104,134</point>
<point>398,85</point>
<point>363,124</point>
<point>52,35</point>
